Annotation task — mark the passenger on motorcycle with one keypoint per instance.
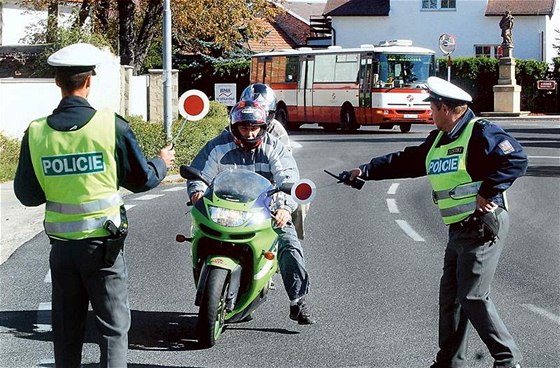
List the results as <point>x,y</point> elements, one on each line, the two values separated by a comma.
<point>248,145</point>
<point>265,96</point>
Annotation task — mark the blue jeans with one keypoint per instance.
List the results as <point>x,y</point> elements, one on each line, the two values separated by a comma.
<point>470,262</point>
<point>292,263</point>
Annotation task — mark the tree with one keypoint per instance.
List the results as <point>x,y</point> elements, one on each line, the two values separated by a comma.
<point>224,24</point>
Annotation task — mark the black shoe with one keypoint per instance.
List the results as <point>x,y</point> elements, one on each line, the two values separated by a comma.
<point>300,313</point>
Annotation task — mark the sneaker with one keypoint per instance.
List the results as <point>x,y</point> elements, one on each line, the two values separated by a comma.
<point>300,313</point>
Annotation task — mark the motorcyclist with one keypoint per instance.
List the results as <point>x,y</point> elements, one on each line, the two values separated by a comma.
<point>248,145</point>
<point>266,97</point>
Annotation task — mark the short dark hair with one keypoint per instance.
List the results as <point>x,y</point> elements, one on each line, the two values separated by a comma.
<point>70,82</point>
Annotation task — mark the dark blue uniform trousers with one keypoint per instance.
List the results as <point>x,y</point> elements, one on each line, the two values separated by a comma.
<point>79,276</point>
<point>470,262</point>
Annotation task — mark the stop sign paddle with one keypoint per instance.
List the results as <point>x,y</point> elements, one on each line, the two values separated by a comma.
<point>193,106</point>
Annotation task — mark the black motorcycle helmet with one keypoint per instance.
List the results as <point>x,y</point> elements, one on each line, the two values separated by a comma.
<point>247,113</point>
<point>263,95</point>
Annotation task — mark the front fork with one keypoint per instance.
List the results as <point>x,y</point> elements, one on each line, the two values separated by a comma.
<point>234,270</point>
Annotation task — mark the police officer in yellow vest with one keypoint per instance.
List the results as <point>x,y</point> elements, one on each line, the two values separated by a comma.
<point>470,163</point>
<point>75,160</point>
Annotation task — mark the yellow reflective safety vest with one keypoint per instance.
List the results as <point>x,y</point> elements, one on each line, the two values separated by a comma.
<point>453,189</point>
<point>78,173</point>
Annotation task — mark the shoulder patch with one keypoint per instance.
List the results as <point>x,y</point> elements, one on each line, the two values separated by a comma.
<point>506,147</point>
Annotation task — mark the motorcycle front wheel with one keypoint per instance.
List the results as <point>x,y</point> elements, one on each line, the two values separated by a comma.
<point>212,312</point>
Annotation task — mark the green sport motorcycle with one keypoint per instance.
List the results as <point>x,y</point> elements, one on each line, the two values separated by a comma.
<point>234,246</point>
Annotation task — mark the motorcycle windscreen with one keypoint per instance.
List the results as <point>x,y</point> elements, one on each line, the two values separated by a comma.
<point>240,185</point>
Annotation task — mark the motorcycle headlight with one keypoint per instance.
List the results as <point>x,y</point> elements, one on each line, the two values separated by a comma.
<point>228,217</point>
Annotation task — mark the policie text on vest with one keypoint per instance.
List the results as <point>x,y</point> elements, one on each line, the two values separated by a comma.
<point>83,163</point>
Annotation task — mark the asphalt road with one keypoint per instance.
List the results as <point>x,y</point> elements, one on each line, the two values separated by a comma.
<point>374,257</point>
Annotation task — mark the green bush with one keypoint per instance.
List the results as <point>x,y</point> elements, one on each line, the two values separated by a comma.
<point>151,137</point>
<point>9,153</point>
<point>478,76</point>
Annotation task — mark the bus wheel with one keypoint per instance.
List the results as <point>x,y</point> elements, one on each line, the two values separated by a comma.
<point>282,117</point>
<point>405,127</point>
<point>348,120</point>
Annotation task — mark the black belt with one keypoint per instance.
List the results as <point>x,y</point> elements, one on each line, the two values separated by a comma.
<point>470,222</point>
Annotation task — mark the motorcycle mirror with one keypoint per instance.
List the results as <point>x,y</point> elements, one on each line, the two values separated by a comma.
<point>191,173</point>
<point>303,191</point>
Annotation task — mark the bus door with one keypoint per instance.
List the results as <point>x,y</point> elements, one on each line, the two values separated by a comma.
<point>365,79</point>
<point>305,89</point>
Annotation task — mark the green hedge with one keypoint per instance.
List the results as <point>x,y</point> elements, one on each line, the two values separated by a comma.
<point>478,76</point>
<point>151,137</point>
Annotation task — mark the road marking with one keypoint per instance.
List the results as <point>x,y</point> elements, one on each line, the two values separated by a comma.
<point>392,205</point>
<point>393,188</point>
<point>48,279</point>
<point>147,197</point>
<point>542,312</point>
<point>175,189</point>
<point>43,318</point>
<point>129,206</point>
<point>409,231</point>
<point>295,144</point>
<point>554,157</point>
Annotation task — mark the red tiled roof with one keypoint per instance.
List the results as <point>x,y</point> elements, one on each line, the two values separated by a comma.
<point>520,7</point>
<point>276,39</point>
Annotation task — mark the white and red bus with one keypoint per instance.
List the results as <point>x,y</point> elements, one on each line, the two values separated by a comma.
<point>348,87</point>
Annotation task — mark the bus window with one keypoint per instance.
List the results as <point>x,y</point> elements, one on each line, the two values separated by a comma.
<point>292,69</point>
<point>336,68</point>
<point>399,69</point>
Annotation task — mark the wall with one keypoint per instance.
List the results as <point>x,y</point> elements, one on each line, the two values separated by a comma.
<point>22,99</point>
<point>467,23</point>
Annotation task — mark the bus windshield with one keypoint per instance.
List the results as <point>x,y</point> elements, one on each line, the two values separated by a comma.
<point>397,70</point>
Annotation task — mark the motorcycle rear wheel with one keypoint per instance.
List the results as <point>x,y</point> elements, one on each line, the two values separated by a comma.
<point>212,312</point>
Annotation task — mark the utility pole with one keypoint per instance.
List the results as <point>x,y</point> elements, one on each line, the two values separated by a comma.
<point>167,80</point>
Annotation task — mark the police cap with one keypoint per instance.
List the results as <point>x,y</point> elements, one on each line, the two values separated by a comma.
<point>442,90</point>
<point>76,58</point>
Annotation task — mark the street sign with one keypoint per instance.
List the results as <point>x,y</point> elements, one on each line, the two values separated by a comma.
<point>549,85</point>
<point>193,105</point>
<point>226,93</point>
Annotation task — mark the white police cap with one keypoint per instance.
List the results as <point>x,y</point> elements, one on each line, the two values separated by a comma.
<point>442,90</point>
<point>79,57</point>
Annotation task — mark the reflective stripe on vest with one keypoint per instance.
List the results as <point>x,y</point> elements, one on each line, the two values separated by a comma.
<point>453,189</point>
<point>78,173</point>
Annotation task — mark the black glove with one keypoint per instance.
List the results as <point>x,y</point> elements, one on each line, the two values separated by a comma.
<point>357,183</point>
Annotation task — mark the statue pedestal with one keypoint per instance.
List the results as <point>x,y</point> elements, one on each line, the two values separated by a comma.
<point>507,94</point>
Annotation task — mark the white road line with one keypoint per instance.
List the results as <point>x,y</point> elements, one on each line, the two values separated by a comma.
<point>48,279</point>
<point>542,312</point>
<point>554,157</point>
<point>129,206</point>
<point>43,318</point>
<point>295,144</point>
<point>392,205</point>
<point>409,231</point>
<point>175,189</point>
<point>393,188</point>
<point>147,197</point>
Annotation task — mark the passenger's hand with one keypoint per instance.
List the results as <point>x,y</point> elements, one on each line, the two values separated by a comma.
<point>167,154</point>
<point>282,217</point>
<point>484,205</point>
<point>196,196</point>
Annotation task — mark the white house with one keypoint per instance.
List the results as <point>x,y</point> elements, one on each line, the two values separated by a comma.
<point>474,23</point>
<point>18,22</point>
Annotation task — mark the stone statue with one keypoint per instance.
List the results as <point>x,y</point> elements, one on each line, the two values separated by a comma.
<point>506,24</point>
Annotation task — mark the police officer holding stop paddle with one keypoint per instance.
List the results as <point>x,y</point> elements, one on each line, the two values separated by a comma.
<point>470,163</point>
<point>75,160</point>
